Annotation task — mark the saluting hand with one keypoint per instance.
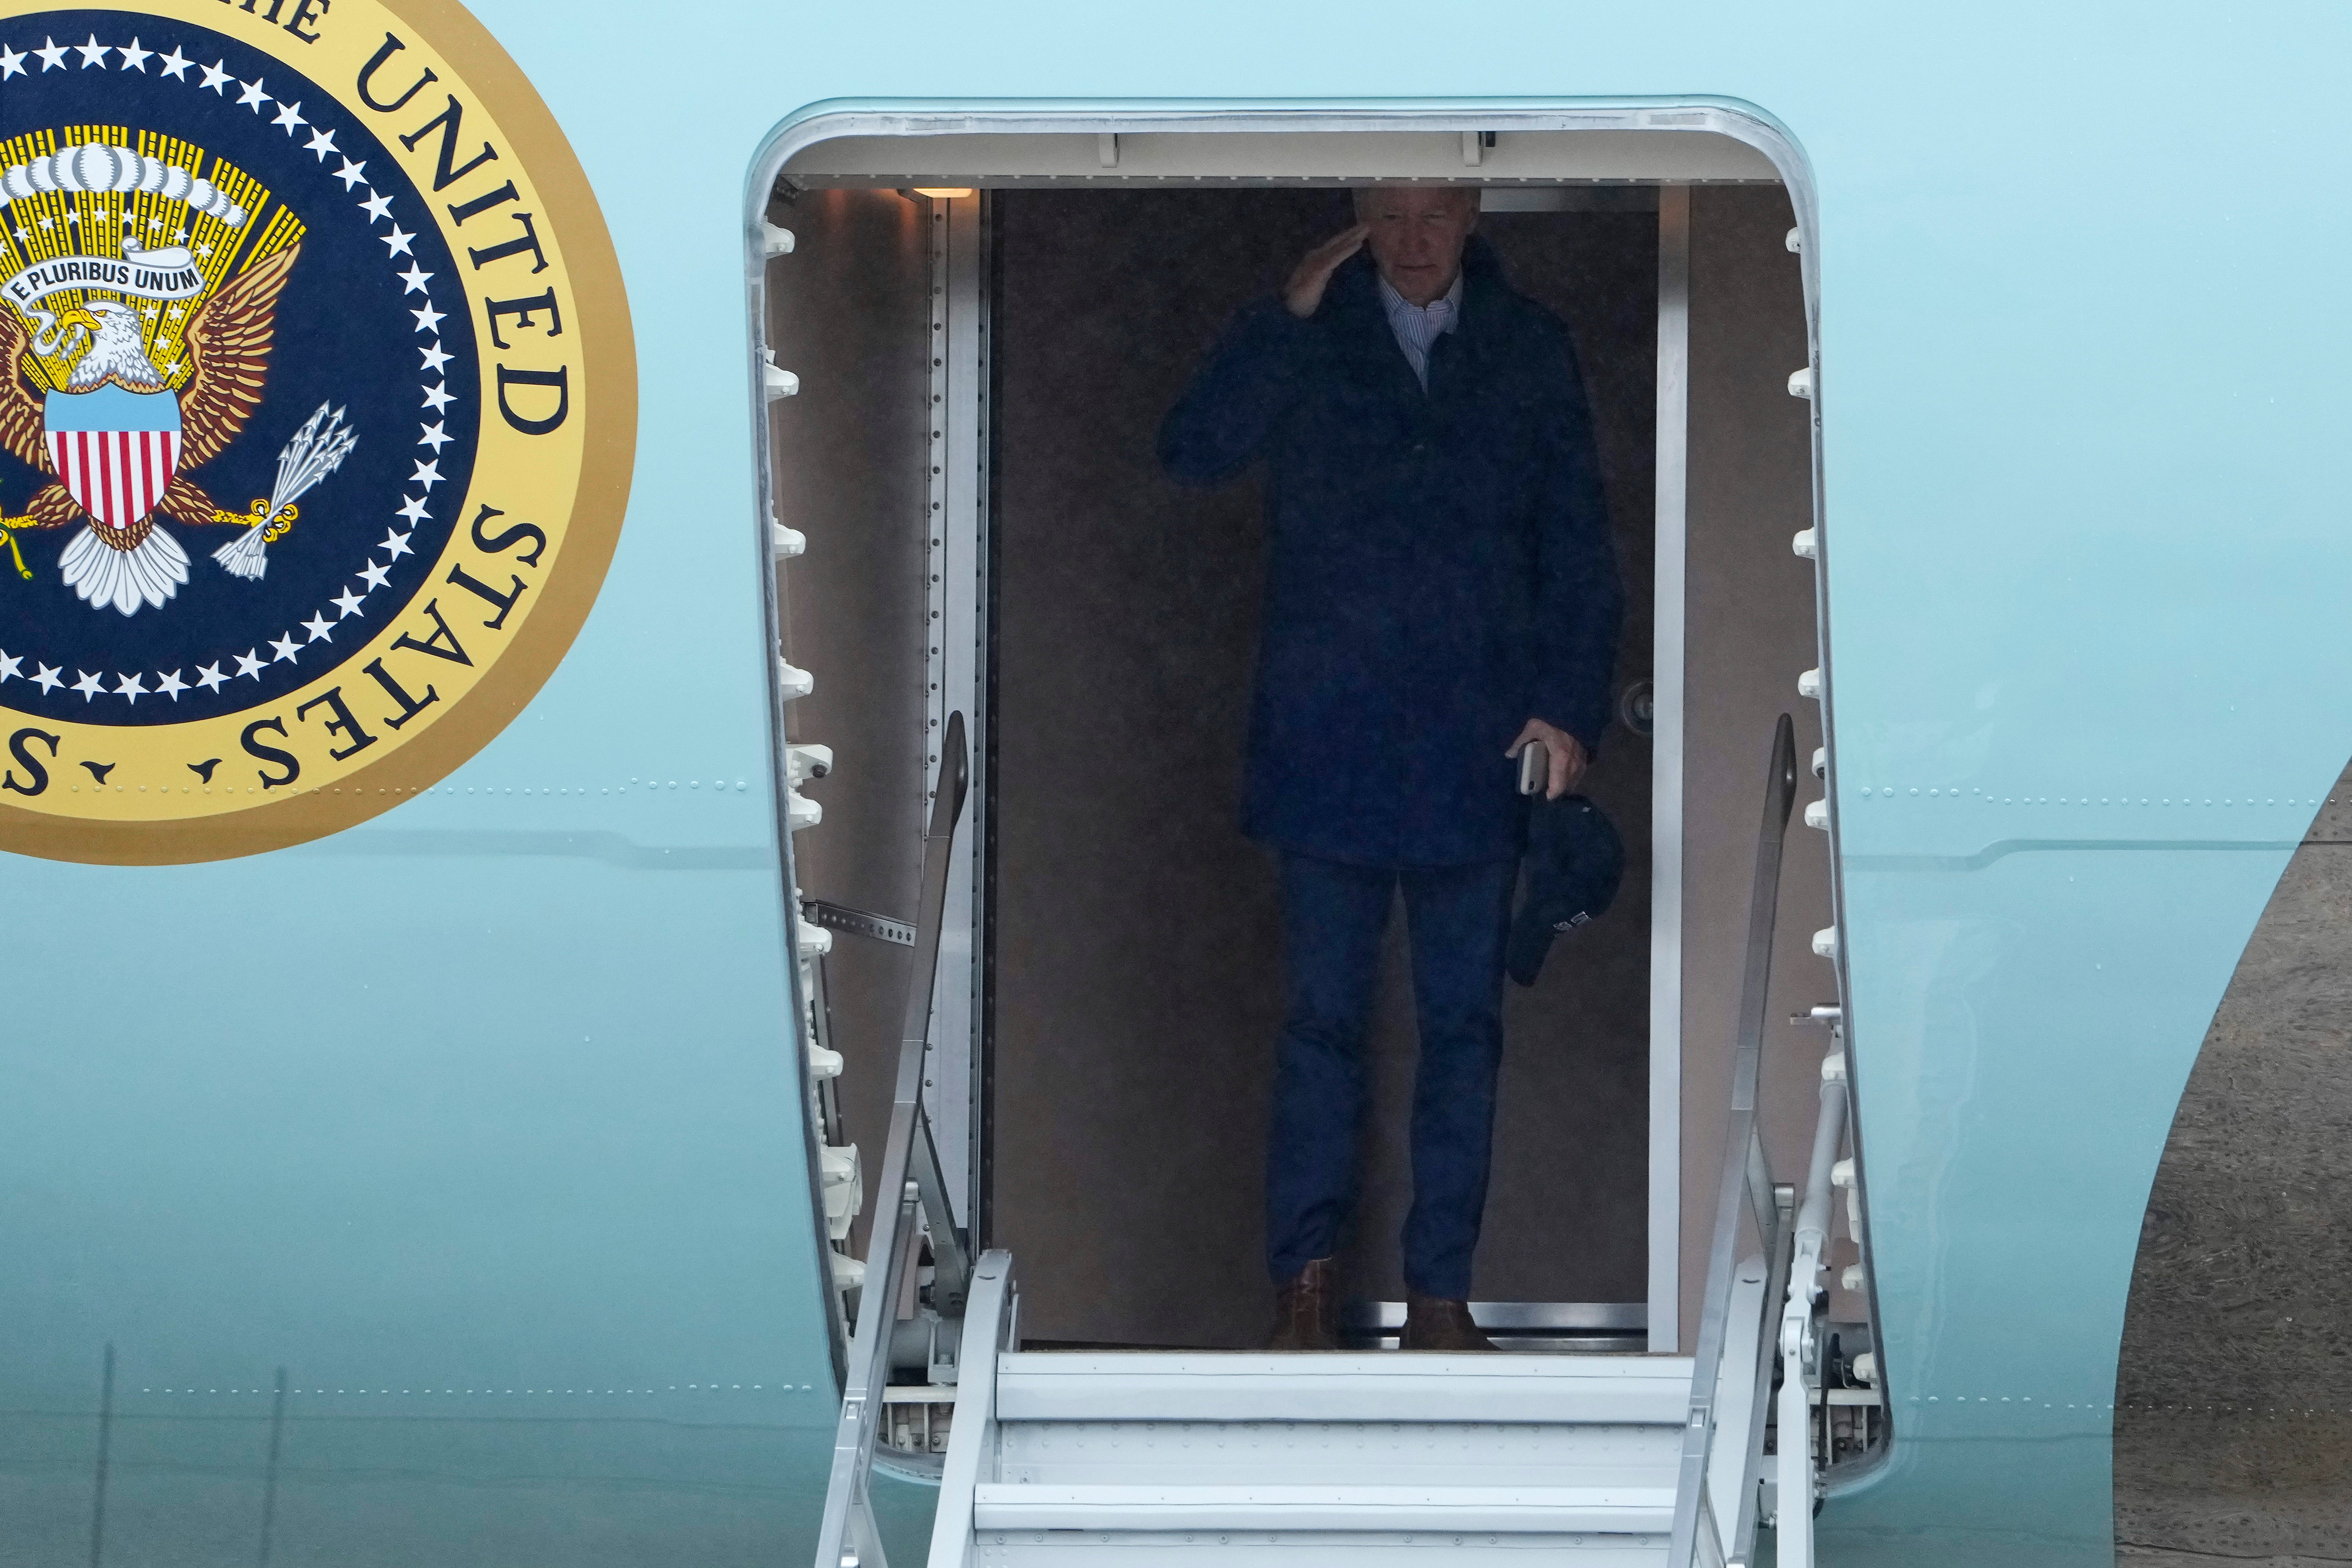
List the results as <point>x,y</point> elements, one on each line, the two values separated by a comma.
<point>1304,292</point>
<point>1562,751</point>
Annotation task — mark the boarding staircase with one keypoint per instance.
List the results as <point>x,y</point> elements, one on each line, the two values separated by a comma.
<point>1596,1460</point>
<point>1071,1457</point>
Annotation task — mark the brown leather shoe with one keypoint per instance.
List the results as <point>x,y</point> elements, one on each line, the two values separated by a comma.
<point>1306,1309</point>
<point>1434,1323</point>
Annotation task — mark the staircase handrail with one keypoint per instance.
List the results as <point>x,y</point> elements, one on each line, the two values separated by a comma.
<point>992,1327</point>
<point>1797,1468</point>
<point>910,1180</point>
<point>1747,1177</point>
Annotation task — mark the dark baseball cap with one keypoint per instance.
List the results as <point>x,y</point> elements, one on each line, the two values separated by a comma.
<point>1575,861</point>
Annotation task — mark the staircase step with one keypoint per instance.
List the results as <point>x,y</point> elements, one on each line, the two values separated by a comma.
<point>1375,1386</point>
<point>1317,1453</point>
<point>1310,1549</point>
<point>1483,1510</point>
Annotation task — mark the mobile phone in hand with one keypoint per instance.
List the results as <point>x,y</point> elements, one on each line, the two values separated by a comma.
<point>1535,767</point>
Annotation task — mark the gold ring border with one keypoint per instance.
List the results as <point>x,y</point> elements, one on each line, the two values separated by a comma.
<point>607,464</point>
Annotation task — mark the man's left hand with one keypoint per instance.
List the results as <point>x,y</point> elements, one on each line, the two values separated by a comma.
<point>1566,751</point>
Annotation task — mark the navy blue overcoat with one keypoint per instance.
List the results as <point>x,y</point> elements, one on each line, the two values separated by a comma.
<point>1439,565</point>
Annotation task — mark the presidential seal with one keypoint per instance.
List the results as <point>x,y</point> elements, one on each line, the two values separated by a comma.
<point>316,409</point>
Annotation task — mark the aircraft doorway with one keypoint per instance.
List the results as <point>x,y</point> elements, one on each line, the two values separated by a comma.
<point>1138,970</point>
<point>983,369</point>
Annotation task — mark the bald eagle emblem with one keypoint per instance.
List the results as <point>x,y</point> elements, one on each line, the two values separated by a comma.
<point>118,434</point>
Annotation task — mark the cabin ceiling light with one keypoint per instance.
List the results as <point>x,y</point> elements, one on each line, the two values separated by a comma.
<point>944,192</point>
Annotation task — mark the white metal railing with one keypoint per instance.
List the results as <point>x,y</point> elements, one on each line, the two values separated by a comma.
<point>1745,1196</point>
<point>992,1326</point>
<point>1796,1465</point>
<point>910,1185</point>
<point>1743,1391</point>
<point>1764,1311</point>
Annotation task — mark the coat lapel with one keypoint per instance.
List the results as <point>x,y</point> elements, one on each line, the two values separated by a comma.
<point>1374,359</point>
<point>1455,357</point>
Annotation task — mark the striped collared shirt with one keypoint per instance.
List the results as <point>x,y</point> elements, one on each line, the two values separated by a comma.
<point>1419,326</point>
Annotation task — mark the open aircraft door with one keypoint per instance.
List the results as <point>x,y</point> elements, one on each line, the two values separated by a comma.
<point>969,326</point>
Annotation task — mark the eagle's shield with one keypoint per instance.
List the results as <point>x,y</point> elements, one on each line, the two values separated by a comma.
<point>113,449</point>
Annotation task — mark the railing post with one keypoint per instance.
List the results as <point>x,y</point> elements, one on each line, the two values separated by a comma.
<point>1741,1156</point>
<point>1792,1533</point>
<point>989,1331</point>
<point>845,1532</point>
<point>1800,1342</point>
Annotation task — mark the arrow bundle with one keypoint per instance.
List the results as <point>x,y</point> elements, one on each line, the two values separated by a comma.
<point>316,451</point>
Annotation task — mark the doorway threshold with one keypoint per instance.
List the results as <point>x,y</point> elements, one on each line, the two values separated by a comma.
<point>1582,1328</point>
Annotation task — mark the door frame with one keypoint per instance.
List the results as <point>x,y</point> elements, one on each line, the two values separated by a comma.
<point>1044,135</point>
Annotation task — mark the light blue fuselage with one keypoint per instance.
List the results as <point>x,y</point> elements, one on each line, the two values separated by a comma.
<point>498,1091</point>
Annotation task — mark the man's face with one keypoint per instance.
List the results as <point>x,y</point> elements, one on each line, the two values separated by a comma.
<point>1415,234</point>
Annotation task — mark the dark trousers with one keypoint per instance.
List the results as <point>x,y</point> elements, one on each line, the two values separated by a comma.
<point>1333,917</point>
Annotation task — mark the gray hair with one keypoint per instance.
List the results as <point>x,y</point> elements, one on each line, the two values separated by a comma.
<point>1363,194</point>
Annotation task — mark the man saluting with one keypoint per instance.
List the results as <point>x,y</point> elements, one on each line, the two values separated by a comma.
<point>1441,595</point>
